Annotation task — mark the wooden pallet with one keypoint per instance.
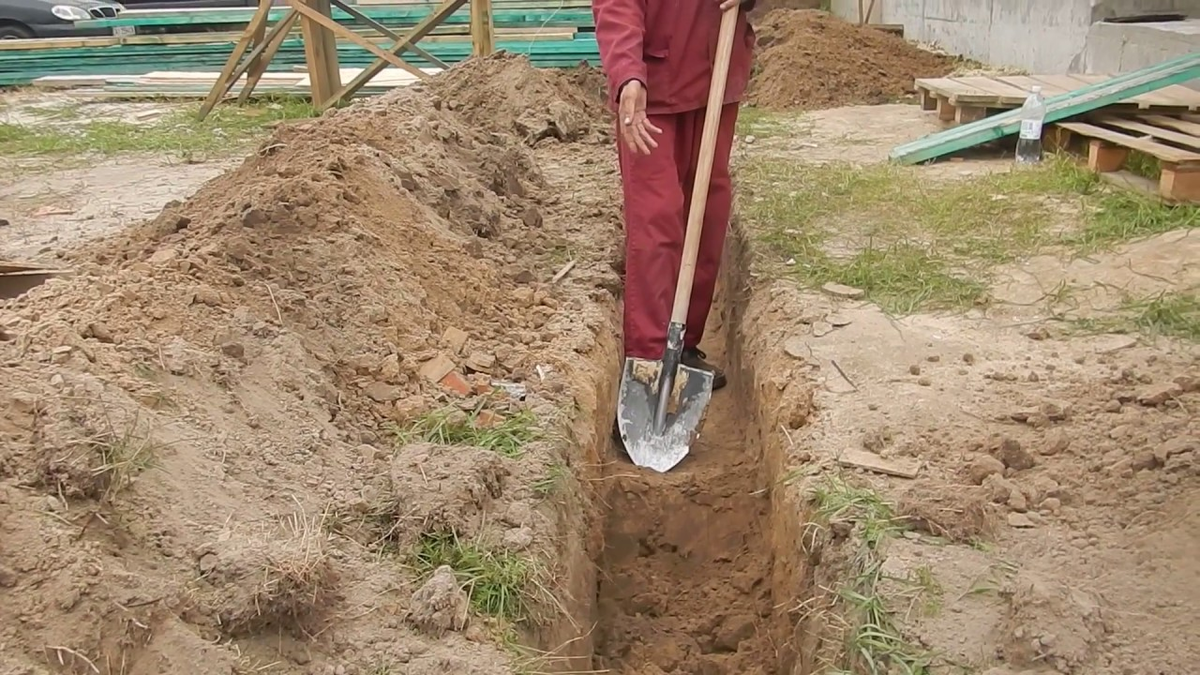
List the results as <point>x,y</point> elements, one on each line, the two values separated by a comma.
<point>1173,141</point>
<point>960,100</point>
<point>18,277</point>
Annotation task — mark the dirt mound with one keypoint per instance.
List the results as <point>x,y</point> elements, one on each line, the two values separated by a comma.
<point>809,59</point>
<point>191,423</point>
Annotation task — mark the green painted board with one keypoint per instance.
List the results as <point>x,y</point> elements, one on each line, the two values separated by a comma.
<point>383,14</point>
<point>1070,104</point>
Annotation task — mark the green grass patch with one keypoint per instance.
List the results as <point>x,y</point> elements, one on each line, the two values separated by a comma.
<point>450,426</point>
<point>552,482</point>
<point>914,244</point>
<point>495,581</point>
<point>762,123</point>
<point>1166,314</point>
<point>875,645</point>
<point>177,132</point>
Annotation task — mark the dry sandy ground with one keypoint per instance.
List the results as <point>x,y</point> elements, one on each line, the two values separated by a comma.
<point>1058,480</point>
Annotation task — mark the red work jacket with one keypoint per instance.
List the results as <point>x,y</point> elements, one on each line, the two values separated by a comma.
<point>669,45</point>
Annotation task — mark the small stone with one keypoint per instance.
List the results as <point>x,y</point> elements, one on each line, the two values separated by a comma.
<point>821,328</point>
<point>1020,521</point>
<point>914,369</point>
<point>382,392</point>
<point>455,338</point>
<point>532,217</point>
<point>437,368</point>
<point>968,359</point>
<point>734,629</point>
<point>1159,394</point>
<point>984,466</point>
<point>796,347</point>
<point>440,604</point>
<point>1017,501</point>
<point>456,383</point>
<point>1144,461</point>
<point>480,362</point>
<point>163,257</point>
<point>234,350</point>
<point>749,140</point>
<point>99,331</point>
<point>838,320</point>
<point>8,578</point>
<point>1013,455</point>
<point>924,381</point>
<point>1113,406</point>
<point>518,539</point>
<point>207,296</point>
<point>1056,442</point>
<point>254,218</point>
<point>843,291</point>
<point>1051,504</point>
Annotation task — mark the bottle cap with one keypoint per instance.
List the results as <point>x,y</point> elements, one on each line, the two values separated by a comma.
<point>1037,88</point>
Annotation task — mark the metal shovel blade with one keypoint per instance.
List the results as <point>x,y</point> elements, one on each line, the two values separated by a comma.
<point>637,404</point>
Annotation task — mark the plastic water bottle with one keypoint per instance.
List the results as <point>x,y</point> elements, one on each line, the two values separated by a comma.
<point>1033,114</point>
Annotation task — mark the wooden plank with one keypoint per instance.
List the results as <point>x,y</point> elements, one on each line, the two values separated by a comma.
<point>447,8</point>
<point>384,30</point>
<point>483,41</point>
<point>1104,157</point>
<point>320,48</point>
<point>1181,184</point>
<point>1059,108</point>
<point>901,467</point>
<point>1163,152</point>
<point>1150,130</point>
<point>1172,123</point>
<point>336,28</point>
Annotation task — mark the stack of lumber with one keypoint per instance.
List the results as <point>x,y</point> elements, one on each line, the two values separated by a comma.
<point>197,84</point>
<point>1114,138</point>
<point>959,100</point>
<point>553,33</point>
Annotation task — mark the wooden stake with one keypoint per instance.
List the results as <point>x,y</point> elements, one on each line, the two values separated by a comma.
<point>231,72</point>
<point>265,52</point>
<point>482,34</point>
<point>417,32</point>
<point>320,48</point>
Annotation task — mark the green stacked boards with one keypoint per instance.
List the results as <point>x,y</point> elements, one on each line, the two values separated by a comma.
<point>552,33</point>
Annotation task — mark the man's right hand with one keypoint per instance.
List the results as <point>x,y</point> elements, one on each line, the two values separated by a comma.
<point>636,129</point>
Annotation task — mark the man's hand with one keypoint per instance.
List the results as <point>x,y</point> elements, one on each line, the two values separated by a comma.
<point>636,129</point>
<point>730,4</point>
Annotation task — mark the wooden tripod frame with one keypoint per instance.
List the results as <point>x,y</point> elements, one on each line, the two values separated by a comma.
<point>258,45</point>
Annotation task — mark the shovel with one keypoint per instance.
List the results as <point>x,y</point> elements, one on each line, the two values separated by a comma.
<point>661,403</point>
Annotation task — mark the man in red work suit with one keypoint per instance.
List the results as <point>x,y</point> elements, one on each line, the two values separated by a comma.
<point>658,57</point>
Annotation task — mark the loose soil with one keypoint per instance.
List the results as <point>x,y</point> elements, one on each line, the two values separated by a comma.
<point>204,464</point>
<point>809,59</point>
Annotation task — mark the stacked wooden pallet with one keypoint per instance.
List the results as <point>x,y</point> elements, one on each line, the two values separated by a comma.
<point>959,100</point>
<point>197,84</point>
<point>553,33</point>
<point>1114,138</point>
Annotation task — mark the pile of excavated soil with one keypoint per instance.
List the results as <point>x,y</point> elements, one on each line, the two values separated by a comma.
<point>809,59</point>
<point>199,470</point>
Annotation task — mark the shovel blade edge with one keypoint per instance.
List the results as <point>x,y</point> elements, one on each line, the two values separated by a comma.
<point>636,402</point>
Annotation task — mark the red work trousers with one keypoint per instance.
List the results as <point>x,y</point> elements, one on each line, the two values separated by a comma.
<point>658,194</point>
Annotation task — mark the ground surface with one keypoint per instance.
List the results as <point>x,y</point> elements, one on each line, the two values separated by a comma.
<point>344,407</point>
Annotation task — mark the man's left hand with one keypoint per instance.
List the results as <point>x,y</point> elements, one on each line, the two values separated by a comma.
<point>730,4</point>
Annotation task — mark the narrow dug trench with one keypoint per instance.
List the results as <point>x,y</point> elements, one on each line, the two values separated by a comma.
<point>690,557</point>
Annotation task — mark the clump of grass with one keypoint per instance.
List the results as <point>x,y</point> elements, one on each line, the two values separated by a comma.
<point>1167,314</point>
<point>875,645</point>
<point>551,482</point>
<point>178,132</point>
<point>762,123</point>
<point>103,462</point>
<point>495,581</point>
<point>912,244</point>
<point>450,426</point>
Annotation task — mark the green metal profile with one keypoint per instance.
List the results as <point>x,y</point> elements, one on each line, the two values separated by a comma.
<point>1060,107</point>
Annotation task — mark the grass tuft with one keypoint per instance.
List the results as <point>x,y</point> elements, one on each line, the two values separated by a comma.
<point>495,581</point>
<point>176,132</point>
<point>913,244</point>
<point>874,642</point>
<point>1173,314</point>
<point>450,426</point>
<point>550,483</point>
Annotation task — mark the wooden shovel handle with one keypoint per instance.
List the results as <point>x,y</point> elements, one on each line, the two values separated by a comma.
<point>708,144</point>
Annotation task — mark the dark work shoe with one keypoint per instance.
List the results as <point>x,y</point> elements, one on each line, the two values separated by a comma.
<point>694,358</point>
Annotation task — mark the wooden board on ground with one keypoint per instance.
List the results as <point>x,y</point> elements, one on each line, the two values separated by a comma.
<point>18,277</point>
<point>903,467</point>
<point>1111,138</point>
<point>967,99</point>
<point>1061,107</point>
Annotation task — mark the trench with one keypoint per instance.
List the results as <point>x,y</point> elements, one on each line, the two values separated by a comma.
<point>699,567</point>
